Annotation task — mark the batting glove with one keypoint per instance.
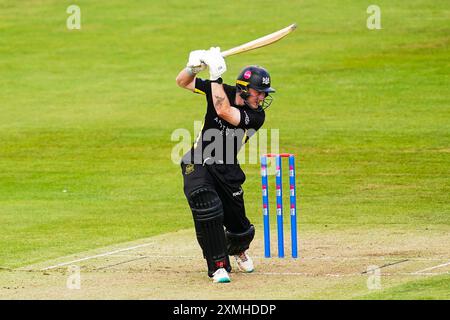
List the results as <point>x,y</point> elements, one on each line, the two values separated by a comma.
<point>195,63</point>
<point>216,63</point>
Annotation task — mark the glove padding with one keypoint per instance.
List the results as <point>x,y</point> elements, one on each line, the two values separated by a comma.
<point>195,63</point>
<point>216,63</point>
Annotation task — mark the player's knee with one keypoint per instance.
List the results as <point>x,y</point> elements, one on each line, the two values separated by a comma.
<point>205,204</point>
<point>239,242</point>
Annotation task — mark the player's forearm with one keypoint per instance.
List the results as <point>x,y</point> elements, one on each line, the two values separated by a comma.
<point>184,78</point>
<point>222,105</point>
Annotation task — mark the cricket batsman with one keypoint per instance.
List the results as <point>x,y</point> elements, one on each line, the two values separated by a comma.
<point>212,176</point>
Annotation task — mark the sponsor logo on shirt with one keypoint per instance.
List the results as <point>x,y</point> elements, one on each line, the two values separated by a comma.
<point>247,119</point>
<point>238,193</point>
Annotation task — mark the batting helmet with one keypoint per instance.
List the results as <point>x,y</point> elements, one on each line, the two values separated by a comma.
<point>257,78</point>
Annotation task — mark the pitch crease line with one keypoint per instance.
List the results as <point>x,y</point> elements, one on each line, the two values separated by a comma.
<point>435,267</point>
<point>97,256</point>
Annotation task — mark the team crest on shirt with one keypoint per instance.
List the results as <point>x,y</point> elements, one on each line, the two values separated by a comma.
<point>189,169</point>
<point>266,80</point>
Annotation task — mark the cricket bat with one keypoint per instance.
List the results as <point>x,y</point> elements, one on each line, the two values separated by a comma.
<point>260,42</point>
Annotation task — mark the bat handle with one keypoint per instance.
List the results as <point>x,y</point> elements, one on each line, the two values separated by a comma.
<point>225,53</point>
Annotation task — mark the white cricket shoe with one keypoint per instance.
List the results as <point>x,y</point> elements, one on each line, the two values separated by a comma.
<point>244,262</point>
<point>221,276</point>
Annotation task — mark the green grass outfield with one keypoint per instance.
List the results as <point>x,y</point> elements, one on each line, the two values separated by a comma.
<point>434,288</point>
<point>86,117</point>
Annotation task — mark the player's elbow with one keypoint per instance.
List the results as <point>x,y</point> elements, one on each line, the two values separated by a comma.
<point>179,81</point>
<point>229,115</point>
<point>185,83</point>
<point>221,112</point>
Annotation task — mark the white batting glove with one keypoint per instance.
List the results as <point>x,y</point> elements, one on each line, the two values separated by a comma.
<point>216,63</point>
<point>195,63</point>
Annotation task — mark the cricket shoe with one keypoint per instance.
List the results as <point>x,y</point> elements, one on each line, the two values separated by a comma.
<point>244,262</point>
<point>221,276</point>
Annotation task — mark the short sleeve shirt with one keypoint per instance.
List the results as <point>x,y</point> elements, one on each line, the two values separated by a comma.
<point>219,140</point>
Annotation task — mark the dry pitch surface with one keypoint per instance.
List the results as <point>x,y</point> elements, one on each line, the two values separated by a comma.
<point>170,267</point>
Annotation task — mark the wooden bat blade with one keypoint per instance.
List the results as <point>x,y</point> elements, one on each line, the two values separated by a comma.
<point>260,42</point>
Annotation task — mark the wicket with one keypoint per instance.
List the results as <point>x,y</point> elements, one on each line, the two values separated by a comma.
<point>279,201</point>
